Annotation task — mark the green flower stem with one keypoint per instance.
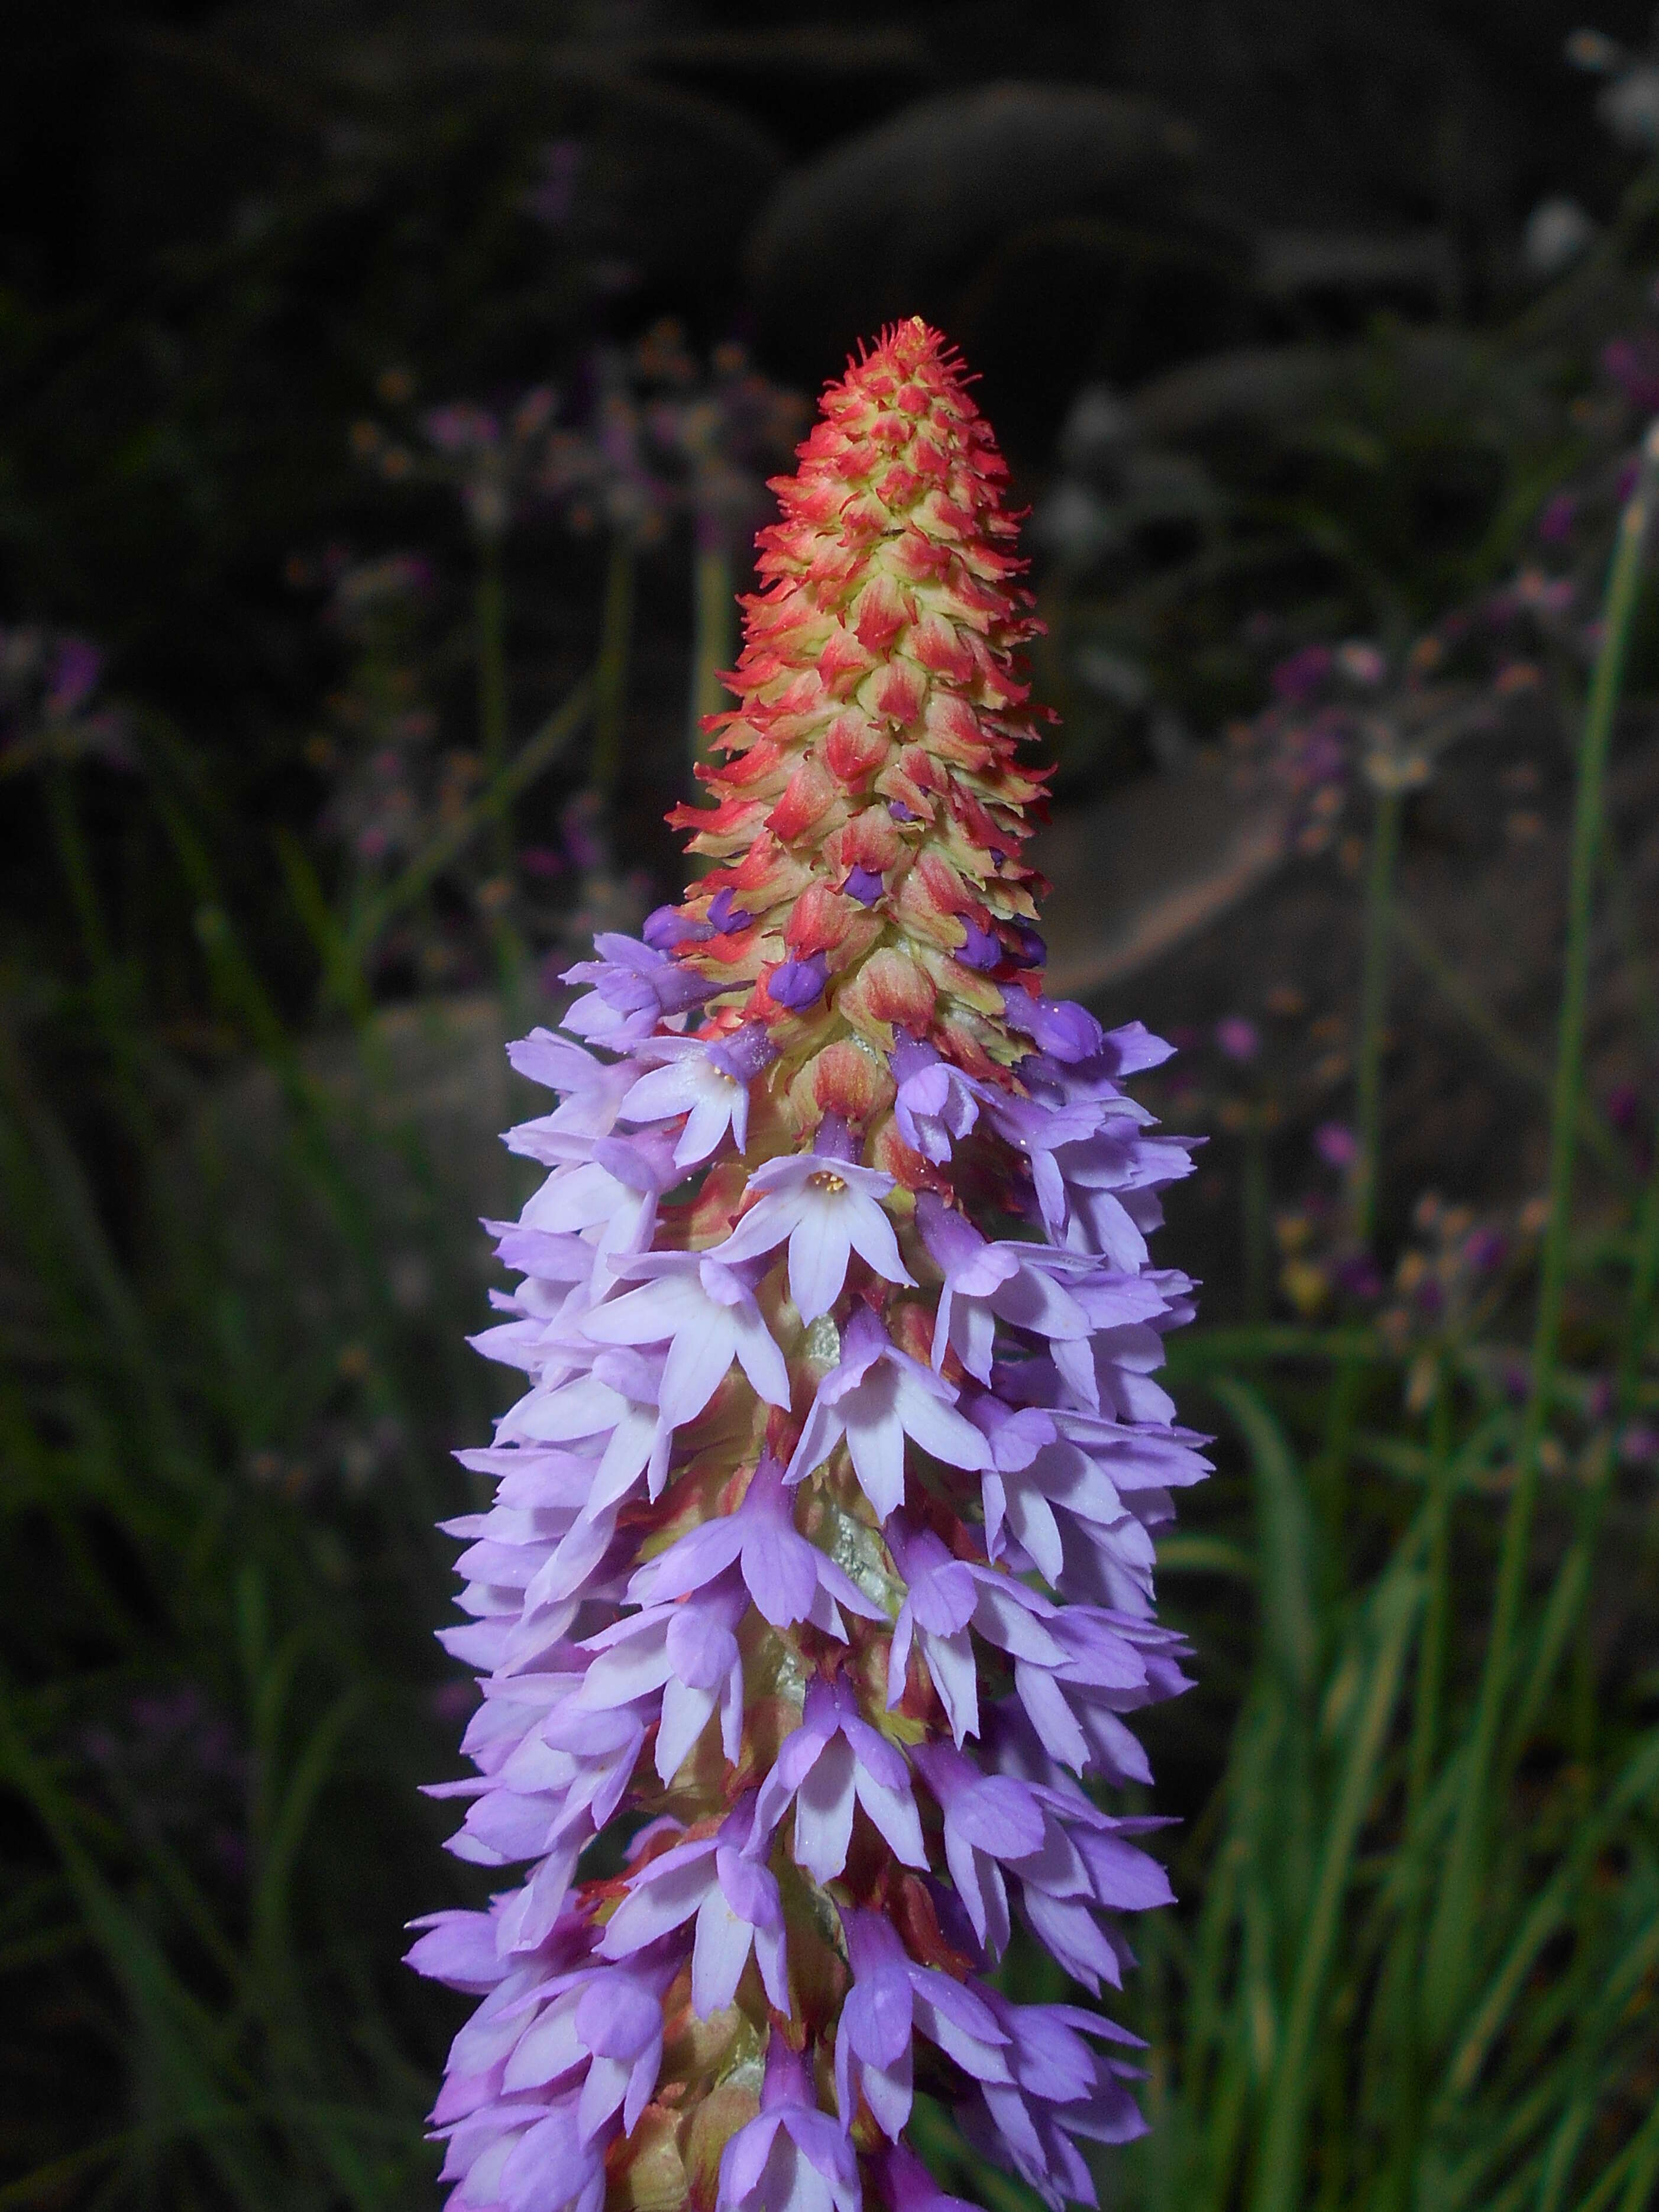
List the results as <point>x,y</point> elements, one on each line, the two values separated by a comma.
<point>610,672</point>
<point>109,993</point>
<point>714,649</point>
<point>1257,1207</point>
<point>539,753</point>
<point>714,642</point>
<point>1431,1651</point>
<point>1373,1011</point>
<point>1450,1958</point>
<point>490,617</point>
<point>1638,1310</point>
<point>1330,1473</point>
<point>1278,2174</point>
<point>1505,1047</point>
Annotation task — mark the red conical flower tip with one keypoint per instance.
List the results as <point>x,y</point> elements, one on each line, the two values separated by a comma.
<point>869,809</point>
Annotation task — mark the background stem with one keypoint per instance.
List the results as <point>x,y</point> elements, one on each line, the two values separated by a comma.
<point>1373,1011</point>
<point>610,672</point>
<point>1450,1958</point>
<point>713,643</point>
<point>491,622</point>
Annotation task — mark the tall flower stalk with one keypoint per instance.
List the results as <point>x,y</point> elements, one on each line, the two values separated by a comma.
<point>818,1579</point>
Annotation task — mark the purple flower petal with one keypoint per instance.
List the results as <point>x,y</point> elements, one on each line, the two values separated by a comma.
<point>797,984</point>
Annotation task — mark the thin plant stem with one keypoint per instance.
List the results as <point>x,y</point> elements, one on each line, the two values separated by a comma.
<point>1279,2175</point>
<point>1257,1211</point>
<point>712,645</point>
<point>107,994</point>
<point>1431,1651</point>
<point>490,616</point>
<point>1329,1473</point>
<point>1451,1947</point>
<point>1622,904</point>
<point>610,672</point>
<point>539,753</point>
<point>1638,1309</point>
<point>1505,1047</point>
<point>1373,1011</point>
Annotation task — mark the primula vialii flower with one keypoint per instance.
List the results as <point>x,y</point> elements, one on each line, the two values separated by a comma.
<point>818,1576</point>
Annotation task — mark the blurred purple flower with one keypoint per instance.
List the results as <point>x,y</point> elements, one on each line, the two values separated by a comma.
<point>553,195</point>
<point>1632,364</point>
<point>1296,678</point>
<point>1336,1144</point>
<point>1238,1039</point>
<point>73,677</point>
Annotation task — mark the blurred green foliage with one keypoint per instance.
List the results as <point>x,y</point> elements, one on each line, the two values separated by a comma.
<point>241,1127</point>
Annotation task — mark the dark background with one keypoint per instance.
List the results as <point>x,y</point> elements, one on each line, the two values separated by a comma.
<point>220,226</point>
<point>1246,287</point>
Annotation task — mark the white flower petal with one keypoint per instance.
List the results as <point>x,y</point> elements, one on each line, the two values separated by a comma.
<point>654,1905</point>
<point>759,1355</point>
<point>819,1249</point>
<point>876,1440</point>
<point>697,1360</point>
<point>824,1811</point>
<point>685,1714</point>
<point>718,1955</point>
<point>939,1428</point>
<point>950,1662</point>
<point>894,1813</point>
<point>873,1239</point>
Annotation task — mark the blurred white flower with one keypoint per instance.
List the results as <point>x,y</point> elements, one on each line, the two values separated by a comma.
<point>1557,232</point>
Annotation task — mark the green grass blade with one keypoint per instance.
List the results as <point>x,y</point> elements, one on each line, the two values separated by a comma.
<point>1286,1539</point>
<point>1451,1960</point>
<point>1277,2187</point>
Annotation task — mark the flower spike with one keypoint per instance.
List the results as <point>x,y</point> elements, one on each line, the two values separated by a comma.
<point>821,1550</point>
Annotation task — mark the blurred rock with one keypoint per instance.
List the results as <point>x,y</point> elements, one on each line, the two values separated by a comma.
<point>1341,278</point>
<point>1029,221</point>
<point>1557,232</point>
<point>1243,388</point>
